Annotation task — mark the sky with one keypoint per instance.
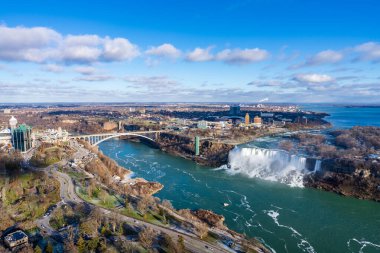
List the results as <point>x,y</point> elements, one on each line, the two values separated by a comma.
<point>290,51</point>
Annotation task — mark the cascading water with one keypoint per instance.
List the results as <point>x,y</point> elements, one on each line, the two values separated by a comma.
<point>268,164</point>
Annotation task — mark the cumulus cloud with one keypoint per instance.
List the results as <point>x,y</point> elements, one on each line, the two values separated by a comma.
<point>369,51</point>
<point>164,50</point>
<point>44,45</point>
<point>242,56</point>
<point>200,55</point>
<point>327,56</point>
<point>119,49</point>
<point>313,78</point>
<point>229,56</point>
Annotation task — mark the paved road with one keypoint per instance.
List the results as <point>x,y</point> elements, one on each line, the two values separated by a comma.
<point>192,243</point>
<point>67,193</point>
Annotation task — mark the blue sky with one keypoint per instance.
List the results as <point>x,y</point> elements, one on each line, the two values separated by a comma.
<point>191,51</point>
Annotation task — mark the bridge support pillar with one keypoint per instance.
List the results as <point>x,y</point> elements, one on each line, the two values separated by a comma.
<point>196,143</point>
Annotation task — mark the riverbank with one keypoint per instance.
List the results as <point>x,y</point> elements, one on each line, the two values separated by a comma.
<point>133,196</point>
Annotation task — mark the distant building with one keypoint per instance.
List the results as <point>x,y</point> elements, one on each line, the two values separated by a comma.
<point>7,111</point>
<point>202,124</point>
<point>22,138</point>
<point>13,123</point>
<point>15,239</point>
<point>5,136</point>
<point>142,111</point>
<point>247,120</point>
<point>234,110</point>
<point>257,121</point>
<point>52,135</point>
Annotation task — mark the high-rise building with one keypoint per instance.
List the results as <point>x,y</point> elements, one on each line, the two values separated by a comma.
<point>22,138</point>
<point>247,120</point>
<point>257,121</point>
<point>234,110</point>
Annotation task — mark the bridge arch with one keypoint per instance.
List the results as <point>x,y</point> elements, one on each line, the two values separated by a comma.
<point>123,134</point>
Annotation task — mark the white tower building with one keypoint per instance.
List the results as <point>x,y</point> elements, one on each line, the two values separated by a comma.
<point>13,123</point>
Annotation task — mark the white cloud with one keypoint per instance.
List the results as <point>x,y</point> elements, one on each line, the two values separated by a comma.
<point>83,40</point>
<point>313,78</point>
<point>164,50</point>
<point>44,45</point>
<point>200,55</point>
<point>94,78</point>
<point>85,70</point>
<point>327,56</point>
<point>369,51</point>
<point>20,38</point>
<point>151,81</point>
<point>242,56</point>
<point>26,44</point>
<point>81,54</point>
<point>119,49</point>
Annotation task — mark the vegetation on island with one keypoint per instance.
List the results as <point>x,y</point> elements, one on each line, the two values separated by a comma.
<point>350,160</point>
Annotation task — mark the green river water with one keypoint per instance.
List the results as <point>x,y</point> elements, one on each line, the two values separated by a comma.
<point>287,219</point>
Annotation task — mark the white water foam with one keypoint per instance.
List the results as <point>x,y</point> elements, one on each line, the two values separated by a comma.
<point>268,164</point>
<point>362,244</point>
<point>304,245</point>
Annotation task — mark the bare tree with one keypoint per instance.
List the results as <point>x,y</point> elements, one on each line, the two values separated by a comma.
<point>201,229</point>
<point>146,237</point>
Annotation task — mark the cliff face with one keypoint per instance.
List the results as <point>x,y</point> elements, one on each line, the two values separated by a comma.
<point>212,154</point>
<point>212,219</point>
<point>349,177</point>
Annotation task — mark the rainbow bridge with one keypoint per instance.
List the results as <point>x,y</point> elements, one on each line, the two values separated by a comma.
<point>95,139</point>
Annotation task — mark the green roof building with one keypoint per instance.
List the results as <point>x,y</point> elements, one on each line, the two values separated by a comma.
<point>22,138</point>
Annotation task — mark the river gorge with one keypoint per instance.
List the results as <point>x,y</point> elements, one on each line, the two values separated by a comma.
<point>270,205</point>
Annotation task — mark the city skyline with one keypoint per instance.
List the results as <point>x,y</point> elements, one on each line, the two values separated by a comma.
<point>190,51</point>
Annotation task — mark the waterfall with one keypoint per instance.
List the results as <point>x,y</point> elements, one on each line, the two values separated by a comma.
<point>317,166</point>
<point>268,164</point>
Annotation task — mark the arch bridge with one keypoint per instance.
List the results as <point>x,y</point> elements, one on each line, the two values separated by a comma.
<point>95,139</point>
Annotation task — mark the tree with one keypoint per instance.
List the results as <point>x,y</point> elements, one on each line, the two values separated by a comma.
<point>168,243</point>
<point>49,248</point>
<point>146,237</point>
<point>89,227</point>
<point>201,229</point>
<point>142,206</point>
<point>92,244</point>
<point>37,249</point>
<point>181,244</point>
<point>286,145</point>
<point>167,204</point>
<point>81,245</point>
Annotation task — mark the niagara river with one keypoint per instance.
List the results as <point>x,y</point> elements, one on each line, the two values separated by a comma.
<point>265,201</point>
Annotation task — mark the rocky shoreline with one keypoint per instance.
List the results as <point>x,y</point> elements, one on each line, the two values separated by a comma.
<point>356,178</point>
